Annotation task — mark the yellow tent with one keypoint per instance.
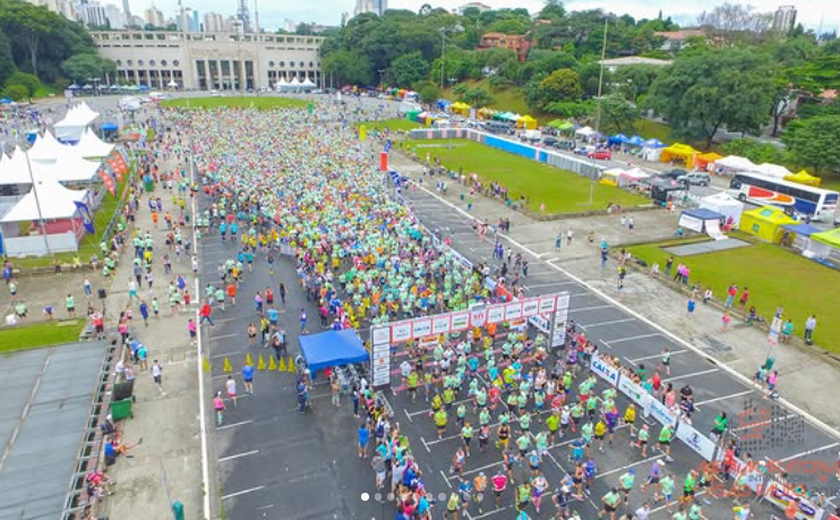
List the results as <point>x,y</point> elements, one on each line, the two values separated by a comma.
<point>461,108</point>
<point>527,122</point>
<point>485,113</point>
<point>679,152</point>
<point>803,177</point>
<point>765,222</point>
<point>703,160</point>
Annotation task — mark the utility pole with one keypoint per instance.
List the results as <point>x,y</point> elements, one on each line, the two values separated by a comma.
<point>442,57</point>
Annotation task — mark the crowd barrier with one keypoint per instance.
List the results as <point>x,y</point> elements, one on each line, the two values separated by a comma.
<point>771,489</point>
<point>579,166</point>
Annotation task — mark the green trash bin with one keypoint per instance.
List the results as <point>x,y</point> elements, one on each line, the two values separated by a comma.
<point>178,510</point>
<point>121,409</point>
<point>150,185</point>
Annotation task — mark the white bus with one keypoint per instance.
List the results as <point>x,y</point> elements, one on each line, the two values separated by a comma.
<point>793,198</point>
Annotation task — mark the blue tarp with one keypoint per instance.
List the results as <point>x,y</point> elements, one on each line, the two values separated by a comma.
<point>804,230</point>
<point>703,214</point>
<point>332,349</point>
<point>617,139</point>
<point>654,143</point>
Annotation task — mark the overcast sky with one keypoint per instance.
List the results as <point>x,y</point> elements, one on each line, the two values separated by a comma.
<point>328,12</point>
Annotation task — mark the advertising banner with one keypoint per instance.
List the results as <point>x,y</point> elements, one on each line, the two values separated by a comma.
<point>698,442</point>
<point>636,393</point>
<point>604,370</point>
<point>513,311</point>
<point>660,412</point>
<point>401,331</point>
<point>441,324</point>
<point>421,327</point>
<point>495,314</point>
<point>460,321</point>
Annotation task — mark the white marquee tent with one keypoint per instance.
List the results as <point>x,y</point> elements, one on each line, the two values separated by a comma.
<point>92,146</point>
<point>48,149</point>
<point>70,168</point>
<point>56,202</point>
<point>13,169</point>
<point>725,205</point>
<point>734,163</point>
<point>773,170</point>
<point>78,118</point>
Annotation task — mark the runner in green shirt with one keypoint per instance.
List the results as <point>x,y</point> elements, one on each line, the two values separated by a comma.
<point>680,514</point>
<point>611,501</point>
<point>466,434</point>
<point>411,381</point>
<point>460,413</point>
<point>690,486</point>
<point>523,496</point>
<point>523,442</point>
<point>440,422</point>
<point>665,436</point>
<point>525,422</point>
<point>626,483</point>
<point>553,424</point>
<point>695,512</point>
<point>721,422</point>
<point>666,485</point>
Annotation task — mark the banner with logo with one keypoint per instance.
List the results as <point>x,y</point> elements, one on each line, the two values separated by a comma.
<point>84,212</point>
<point>636,393</point>
<point>606,371</point>
<point>380,338</point>
<point>781,496</point>
<point>660,412</point>
<point>695,440</point>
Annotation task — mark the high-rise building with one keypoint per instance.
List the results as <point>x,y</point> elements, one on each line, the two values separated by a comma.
<point>213,22</point>
<point>115,15</point>
<point>127,11</point>
<point>190,20</point>
<point>154,17</point>
<point>370,6</point>
<point>784,19</point>
<point>289,25</point>
<point>92,14</point>
<point>243,15</point>
<point>345,17</point>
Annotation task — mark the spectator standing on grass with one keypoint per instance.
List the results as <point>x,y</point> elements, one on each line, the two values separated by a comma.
<point>810,325</point>
<point>731,292</point>
<point>745,296</point>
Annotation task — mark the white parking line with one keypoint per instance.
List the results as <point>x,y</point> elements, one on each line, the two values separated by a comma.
<point>584,309</point>
<point>549,284</point>
<point>223,336</point>
<point>809,452</point>
<point>724,397</point>
<point>692,374</point>
<point>656,356</point>
<point>625,468</point>
<point>633,338</point>
<point>234,425</point>
<point>602,323</point>
<point>243,492</point>
<point>485,515</point>
<point>239,455</point>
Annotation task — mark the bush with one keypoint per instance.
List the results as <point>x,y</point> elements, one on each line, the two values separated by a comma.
<point>460,90</point>
<point>28,82</point>
<point>16,93</point>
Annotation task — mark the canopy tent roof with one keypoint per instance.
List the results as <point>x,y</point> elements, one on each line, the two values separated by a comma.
<point>55,201</point>
<point>830,237</point>
<point>332,348</point>
<point>679,151</point>
<point>92,146</point>
<point>654,143</point>
<point>13,170</point>
<point>307,82</point>
<point>705,159</point>
<point>73,168</point>
<point>804,230</point>
<point>773,170</point>
<point>703,214</point>
<point>78,115</point>
<point>281,83</point>
<point>803,177</point>
<point>48,149</point>
<point>722,198</point>
<point>459,105</point>
<point>586,131</point>
<point>771,215</point>
<point>735,162</point>
<point>617,139</point>
<point>109,126</point>
<point>635,141</point>
<point>559,124</point>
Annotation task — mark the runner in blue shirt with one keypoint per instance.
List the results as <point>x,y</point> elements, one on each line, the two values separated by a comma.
<point>364,437</point>
<point>248,378</point>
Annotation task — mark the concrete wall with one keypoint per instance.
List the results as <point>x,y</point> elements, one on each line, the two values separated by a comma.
<point>34,245</point>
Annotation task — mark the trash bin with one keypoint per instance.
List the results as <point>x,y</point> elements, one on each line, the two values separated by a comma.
<point>178,510</point>
<point>121,409</point>
<point>150,185</point>
<point>124,390</point>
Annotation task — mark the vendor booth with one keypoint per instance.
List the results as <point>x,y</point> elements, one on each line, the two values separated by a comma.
<point>527,122</point>
<point>652,150</point>
<point>825,244</point>
<point>78,118</point>
<point>622,178</point>
<point>459,107</point>
<point>332,349</point>
<point>773,170</point>
<point>706,161</point>
<point>803,177</point>
<point>703,221</point>
<point>679,153</point>
<point>733,164</point>
<point>765,222</point>
<point>728,206</point>
<point>798,236</point>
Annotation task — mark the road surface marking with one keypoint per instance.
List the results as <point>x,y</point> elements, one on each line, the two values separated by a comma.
<point>611,322</point>
<point>633,338</point>
<point>584,309</point>
<point>724,397</point>
<point>233,425</point>
<point>692,374</point>
<point>625,468</point>
<point>656,356</point>
<point>809,452</point>
<point>239,455</point>
<point>243,492</point>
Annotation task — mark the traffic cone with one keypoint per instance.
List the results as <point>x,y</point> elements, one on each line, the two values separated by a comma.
<point>206,365</point>
<point>271,364</point>
<point>292,365</point>
<point>248,360</point>
<point>261,363</point>
<point>282,366</point>
<point>228,367</point>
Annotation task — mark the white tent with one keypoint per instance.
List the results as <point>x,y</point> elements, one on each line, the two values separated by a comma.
<point>55,200</point>
<point>48,149</point>
<point>585,131</point>
<point>281,84</point>
<point>92,146</point>
<point>71,168</point>
<point>13,170</point>
<point>773,170</point>
<point>734,163</point>
<point>307,83</point>
<point>724,204</point>
<point>74,123</point>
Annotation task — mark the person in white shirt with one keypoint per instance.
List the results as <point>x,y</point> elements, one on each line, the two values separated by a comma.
<point>230,387</point>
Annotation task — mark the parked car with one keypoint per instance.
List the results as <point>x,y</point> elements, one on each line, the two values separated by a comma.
<point>675,174</point>
<point>584,150</point>
<point>695,179</point>
<point>604,155</point>
<point>549,140</point>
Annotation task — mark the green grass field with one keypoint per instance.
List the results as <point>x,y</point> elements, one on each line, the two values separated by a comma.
<point>562,191</point>
<point>44,334</point>
<point>654,130</point>
<point>391,124</point>
<point>262,103</point>
<point>774,276</point>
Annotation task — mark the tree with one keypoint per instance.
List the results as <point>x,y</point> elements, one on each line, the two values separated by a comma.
<point>635,80</point>
<point>478,97</point>
<point>83,66</point>
<point>699,94</point>
<point>813,142</point>
<point>348,67</point>
<point>428,91</point>
<point>731,23</point>
<point>560,85</point>
<point>28,24</point>
<point>460,89</point>
<point>7,63</point>
<point>16,93</point>
<point>756,151</point>
<point>615,115</point>
<point>409,69</point>
<point>570,110</point>
<point>28,82</point>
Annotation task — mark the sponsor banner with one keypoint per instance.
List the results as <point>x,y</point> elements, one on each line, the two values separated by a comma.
<point>636,393</point>
<point>429,342</point>
<point>460,321</point>
<point>604,370</point>
<point>401,331</point>
<point>519,325</point>
<point>380,335</point>
<point>421,327</point>
<point>564,301</point>
<point>478,317</point>
<point>495,314</point>
<point>381,356</point>
<point>695,440</point>
<point>441,324</point>
<point>547,305</point>
<point>540,323</point>
<point>558,339</point>
<point>513,311</point>
<point>660,412</point>
<point>781,496</point>
<point>530,307</point>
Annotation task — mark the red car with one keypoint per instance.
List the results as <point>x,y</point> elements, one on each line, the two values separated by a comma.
<point>600,154</point>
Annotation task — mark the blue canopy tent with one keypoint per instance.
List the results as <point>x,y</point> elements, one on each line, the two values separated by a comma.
<point>654,143</point>
<point>635,141</point>
<point>616,139</point>
<point>109,127</point>
<point>332,349</point>
<point>443,104</point>
<point>805,230</point>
